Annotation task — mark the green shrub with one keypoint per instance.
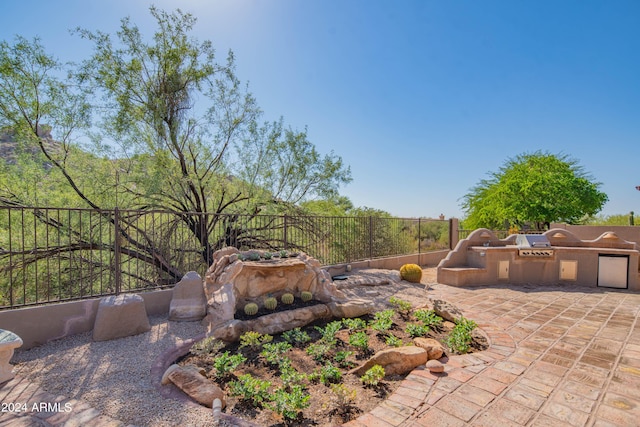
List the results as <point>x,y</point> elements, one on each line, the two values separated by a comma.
<point>460,339</point>
<point>289,403</point>
<point>403,307</point>
<point>254,339</point>
<point>330,374</point>
<point>207,346</point>
<point>354,324</point>
<point>296,336</point>
<point>373,376</point>
<point>393,341</point>
<point>359,340</point>
<point>428,317</point>
<point>290,376</point>
<point>225,364</point>
<point>382,320</point>
<point>318,350</point>
<point>273,352</point>
<point>415,330</point>
<point>250,389</point>
<point>341,358</point>
<point>329,331</point>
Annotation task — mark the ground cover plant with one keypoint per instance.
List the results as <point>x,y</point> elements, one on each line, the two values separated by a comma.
<point>302,376</point>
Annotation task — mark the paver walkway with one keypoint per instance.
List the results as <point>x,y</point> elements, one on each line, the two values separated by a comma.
<point>559,356</point>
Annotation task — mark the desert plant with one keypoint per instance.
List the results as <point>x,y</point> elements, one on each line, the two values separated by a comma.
<point>393,341</point>
<point>329,331</point>
<point>354,324</point>
<point>373,376</point>
<point>341,358</point>
<point>460,339</point>
<point>207,346</point>
<point>290,402</point>
<point>226,363</point>
<point>318,350</point>
<point>273,352</point>
<point>250,389</point>
<point>359,340</point>
<point>254,339</point>
<point>251,309</point>
<point>306,296</point>
<point>411,273</point>
<point>345,396</point>
<point>330,374</point>
<point>267,255</point>
<point>283,254</point>
<point>415,330</point>
<point>428,317</point>
<point>287,298</point>
<point>270,303</point>
<point>382,320</point>
<point>403,307</point>
<point>290,376</point>
<point>296,336</point>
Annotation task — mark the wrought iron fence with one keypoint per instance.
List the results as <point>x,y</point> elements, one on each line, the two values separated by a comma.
<point>52,254</point>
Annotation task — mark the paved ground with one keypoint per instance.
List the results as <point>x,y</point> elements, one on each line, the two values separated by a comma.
<point>559,356</point>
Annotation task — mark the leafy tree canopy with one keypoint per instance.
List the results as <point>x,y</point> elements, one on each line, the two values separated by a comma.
<point>533,188</point>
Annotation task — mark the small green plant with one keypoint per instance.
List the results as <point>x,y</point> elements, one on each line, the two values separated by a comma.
<point>289,403</point>
<point>250,389</point>
<point>318,350</point>
<point>270,303</point>
<point>283,254</point>
<point>345,396</point>
<point>251,309</point>
<point>460,339</point>
<point>225,364</point>
<point>382,320</point>
<point>330,374</point>
<point>341,358</point>
<point>296,336</point>
<point>306,296</point>
<point>253,256</point>
<point>359,340</point>
<point>393,341</point>
<point>287,298</point>
<point>428,317</point>
<point>403,307</point>
<point>254,339</point>
<point>273,352</point>
<point>354,324</point>
<point>267,255</point>
<point>207,347</point>
<point>329,331</point>
<point>415,330</point>
<point>290,376</point>
<point>373,376</point>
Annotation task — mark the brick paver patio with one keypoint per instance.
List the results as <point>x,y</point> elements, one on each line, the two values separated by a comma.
<point>558,356</point>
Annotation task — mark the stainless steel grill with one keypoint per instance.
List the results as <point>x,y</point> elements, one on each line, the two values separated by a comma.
<point>533,245</point>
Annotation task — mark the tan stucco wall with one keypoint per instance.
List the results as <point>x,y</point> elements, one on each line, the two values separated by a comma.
<point>40,324</point>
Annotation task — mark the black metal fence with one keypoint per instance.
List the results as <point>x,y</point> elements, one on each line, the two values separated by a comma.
<point>52,254</point>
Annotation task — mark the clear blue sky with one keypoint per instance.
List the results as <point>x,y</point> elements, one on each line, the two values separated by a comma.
<point>421,98</point>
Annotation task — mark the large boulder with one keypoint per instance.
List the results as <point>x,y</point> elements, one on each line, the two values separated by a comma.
<point>395,361</point>
<point>434,349</point>
<point>120,316</point>
<point>188,302</point>
<point>446,310</point>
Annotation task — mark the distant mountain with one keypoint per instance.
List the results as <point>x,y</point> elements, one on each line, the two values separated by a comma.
<point>9,145</point>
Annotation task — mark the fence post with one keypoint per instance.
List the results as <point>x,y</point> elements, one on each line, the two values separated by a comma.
<point>419,240</point>
<point>286,244</point>
<point>117,250</point>
<point>370,237</point>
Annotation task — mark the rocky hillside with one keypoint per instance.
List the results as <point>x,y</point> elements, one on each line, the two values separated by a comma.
<point>9,144</point>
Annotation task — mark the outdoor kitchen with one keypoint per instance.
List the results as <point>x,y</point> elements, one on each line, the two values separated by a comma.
<point>554,257</point>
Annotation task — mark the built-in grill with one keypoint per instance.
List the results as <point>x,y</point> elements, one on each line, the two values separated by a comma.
<point>533,245</point>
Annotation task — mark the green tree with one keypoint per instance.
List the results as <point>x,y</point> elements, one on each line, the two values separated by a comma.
<point>533,188</point>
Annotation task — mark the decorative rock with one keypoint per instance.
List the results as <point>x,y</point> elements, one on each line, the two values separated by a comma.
<point>188,302</point>
<point>120,316</point>
<point>435,366</point>
<point>395,361</point>
<point>198,387</point>
<point>221,306</point>
<point>435,350</point>
<point>8,342</point>
<point>351,308</point>
<point>446,310</point>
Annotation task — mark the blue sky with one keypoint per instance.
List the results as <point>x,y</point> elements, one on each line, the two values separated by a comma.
<point>421,98</point>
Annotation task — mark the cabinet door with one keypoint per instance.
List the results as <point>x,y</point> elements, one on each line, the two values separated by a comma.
<point>569,270</point>
<point>503,270</point>
<point>613,271</point>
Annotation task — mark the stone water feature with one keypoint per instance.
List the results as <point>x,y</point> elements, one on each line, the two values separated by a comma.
<point>237,278</point>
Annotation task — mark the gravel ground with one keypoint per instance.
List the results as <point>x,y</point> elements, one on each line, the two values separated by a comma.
<point>114,376</point>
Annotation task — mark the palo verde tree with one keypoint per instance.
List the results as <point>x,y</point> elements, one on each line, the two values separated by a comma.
<point>168,127</point>
<point>533,188</point>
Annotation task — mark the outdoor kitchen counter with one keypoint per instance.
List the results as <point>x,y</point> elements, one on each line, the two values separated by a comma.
<point>571,266</point>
